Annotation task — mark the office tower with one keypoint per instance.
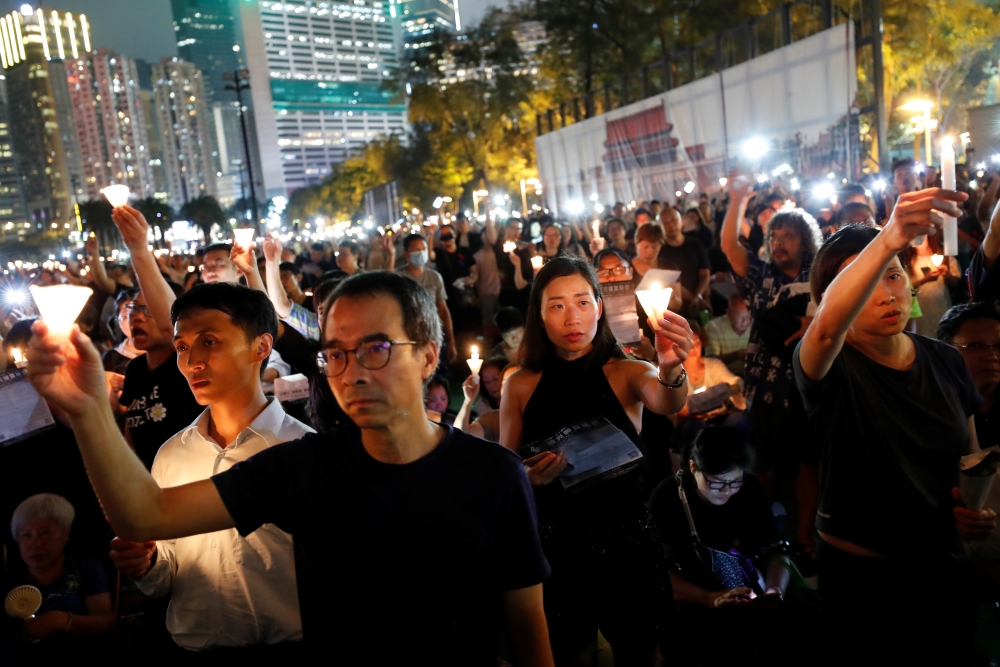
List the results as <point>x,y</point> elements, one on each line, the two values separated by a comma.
<point>420,17</point>
<point>185,130</point>
<point>316,71</point>
<point>12,212</point>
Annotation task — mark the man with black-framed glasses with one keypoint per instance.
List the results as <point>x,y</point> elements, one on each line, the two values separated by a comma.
<point>426,537</point>
<point>974,329</point>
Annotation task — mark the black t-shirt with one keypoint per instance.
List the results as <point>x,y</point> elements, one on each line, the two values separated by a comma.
<point>988,426</point>
<point>159,404</point>
<point>890,446</point>
<point>744,523</point>
<point>403,560</point>
<point>690,258</point>
<point>115,361</point>
<point>452,266</point>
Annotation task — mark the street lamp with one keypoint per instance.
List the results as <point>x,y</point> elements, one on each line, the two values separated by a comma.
<point>923,106</point>
<point>476,196</point>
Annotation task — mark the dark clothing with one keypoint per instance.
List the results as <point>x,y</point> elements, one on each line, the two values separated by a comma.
<point>509,294</point>
<point>988,427</point>
<point>919,609</point>
<point>984,284</point>
<point>413,557</point>
<point>79,580</point>
<point>756,239</point>
<point>452,266</point>
<point>158,403</point>
<point>703,235</point>
<point>472,241</point>
<point>608,568</point>
<point>690,258</point>
<point>744,523</point>
<point>890,446</point>
<point>115,361</point>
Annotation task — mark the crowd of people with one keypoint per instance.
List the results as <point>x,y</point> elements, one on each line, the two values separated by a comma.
<point>769,472</point>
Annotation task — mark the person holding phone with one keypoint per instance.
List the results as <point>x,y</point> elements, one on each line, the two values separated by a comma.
<point>893,413</point>
<point>608,567</point>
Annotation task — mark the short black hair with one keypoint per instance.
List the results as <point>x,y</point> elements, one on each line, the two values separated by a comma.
<point>655,201</point>
<point>643,211</point>
<point>901,163</point>
<point>508,319</point>
<point>718,450</point>
<point>249,309</point>
<point>607,252</point>
<point>439,381</point>
<point>958,315</point>
<point>412,238</point>
<point>350,245</point>
<point>318,247</point>
<point>124,297</point>
<point>774,196</point>
<point>846,242</point>
<point>225,246</point>
<point>853,190</point>
<point>290,267</point>
<point>614,221</point>
<point>846,214</point>
<point>420,316</point>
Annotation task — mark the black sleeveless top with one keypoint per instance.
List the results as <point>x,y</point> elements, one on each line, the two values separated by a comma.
<point>568,393</point>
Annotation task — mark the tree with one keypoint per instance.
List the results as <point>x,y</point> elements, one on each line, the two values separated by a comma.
<point>96,216</point>
<point>158,213</point>
<point>203,211</point>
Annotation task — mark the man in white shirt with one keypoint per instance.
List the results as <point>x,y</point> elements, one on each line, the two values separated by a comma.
<point>226,591</point>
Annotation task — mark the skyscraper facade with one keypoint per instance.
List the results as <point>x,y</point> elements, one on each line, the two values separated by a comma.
<point>186,142</point>
<point>316,74</point>
<point>421,17</point>
<point>12,212</point>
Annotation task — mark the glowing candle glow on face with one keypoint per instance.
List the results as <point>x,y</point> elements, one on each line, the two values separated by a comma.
<point>59,306</point>
<point>655,302</point>
<point>475,363</point>
<point>116,194</point>
<point>244,236</point>
<point>509,246</point>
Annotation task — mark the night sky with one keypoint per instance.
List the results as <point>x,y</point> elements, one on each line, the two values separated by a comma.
<point>144,28</point>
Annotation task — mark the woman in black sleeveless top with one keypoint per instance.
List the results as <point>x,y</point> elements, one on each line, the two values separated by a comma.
<point>608,568</point>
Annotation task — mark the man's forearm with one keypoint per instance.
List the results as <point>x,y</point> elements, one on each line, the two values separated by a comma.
<point>159,297</point>
<point>100,275</point>
<point>282,304</point>
<point>704,278</point>
<point>254,281</point>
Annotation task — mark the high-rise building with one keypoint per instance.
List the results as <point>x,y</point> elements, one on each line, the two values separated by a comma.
<point>420,17</point>
<point>316,73</point>
<point>12,212</point>
<point>185,130</point>
<point>209,35</point>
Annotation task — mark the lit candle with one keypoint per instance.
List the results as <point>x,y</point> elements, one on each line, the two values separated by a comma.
<point>655,302</point>
<point>536,262</point>
<point>948,183</point>
<point>244,237</point>
<point>475,363</point>
<point>509,247</point>
<point>19,360</point>
<point>59,306</point>
<point>937,259</point>
<point>116,194</point>
<point>597,228</point>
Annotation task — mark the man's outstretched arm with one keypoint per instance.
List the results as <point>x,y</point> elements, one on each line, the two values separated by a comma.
<point>70,378</point>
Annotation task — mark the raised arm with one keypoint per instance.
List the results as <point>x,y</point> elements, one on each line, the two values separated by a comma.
<point>97,272</point>
<point>914,215</point>
<point>70,378</point>
<point>272,274</point>
<point>740,193</point>
<point>159,297</point>
<point>246,261</point>
<point>991,244</point>
<point>649,383</point>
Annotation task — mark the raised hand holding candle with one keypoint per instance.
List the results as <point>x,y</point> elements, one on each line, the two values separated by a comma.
<point>936,260</point>
<point>509,247</point>
<point>475,363</point>
<point>59,306</point>
<point>116,194</point>
<point>655,302</point>
<point>244,236</point>
<point>950,236</point>
<point>536,263</point>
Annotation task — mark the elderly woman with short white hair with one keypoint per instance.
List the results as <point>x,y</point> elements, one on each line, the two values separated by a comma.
<point>76,599</point>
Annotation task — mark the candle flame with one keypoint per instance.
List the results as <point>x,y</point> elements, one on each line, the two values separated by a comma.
<point>18,357</point>
<point>936,260</point>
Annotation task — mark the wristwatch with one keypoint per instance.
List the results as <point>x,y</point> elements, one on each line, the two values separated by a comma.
<point>674,385</point>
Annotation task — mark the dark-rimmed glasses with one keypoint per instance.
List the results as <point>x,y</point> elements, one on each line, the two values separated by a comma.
<point>371,356</point>
<point>720,484</point>
<point>616,271</point>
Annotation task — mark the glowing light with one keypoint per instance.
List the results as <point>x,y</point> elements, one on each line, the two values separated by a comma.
<point>936,260</point>
<point>59,306</point>
<point>823,191</point>
<point>86,32</point>
<point>26,10</point>
<point>17,32</point>
<point>509,246</point>
<point>437,203</point>
<point>244,236</point>
<point>689,187</point>
<point>475,363</point>
<point>14,297</point>
<point>795,184</point>
<point>655,302</point>
<point>575,207</point>
<point>116,194</point>
<point>762,178</point>
<point>70,25</point>
<point>755,148</point>
<point>45,37</point>
<point>879,185</point>
<point>723,181</point>
<point>6,40</point>
<point>536,262</point>
<point>56,28</point>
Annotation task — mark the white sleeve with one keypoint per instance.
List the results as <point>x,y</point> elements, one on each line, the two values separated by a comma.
<point>160,577</point>
<point>277,363</point>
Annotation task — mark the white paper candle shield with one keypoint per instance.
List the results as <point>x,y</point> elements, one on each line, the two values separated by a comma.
<point>655,302</point>
<point>509,246</point>
<point>950,235</point>
<point>937,260</point>
<point>536,262</point>
<point>59,306</point>
<point>116,194</point>
<point>244,236</point>
<point>475,363</point>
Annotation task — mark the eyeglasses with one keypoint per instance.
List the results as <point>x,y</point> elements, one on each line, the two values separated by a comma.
<point>720,484</point>
<point>617,271</point>
<point>216,265</point>
<point>136,308</point>
<point>371,356</point>
<point>447,238</point>
<point>980,348</point>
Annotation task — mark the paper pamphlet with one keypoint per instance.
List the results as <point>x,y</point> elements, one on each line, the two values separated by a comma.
<point>619,308</point>
<point>25,412</point>
<point>595,451</point>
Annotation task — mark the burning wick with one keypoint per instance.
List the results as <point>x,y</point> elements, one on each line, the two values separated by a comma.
<point>475,363</point>
<point>936,260</point>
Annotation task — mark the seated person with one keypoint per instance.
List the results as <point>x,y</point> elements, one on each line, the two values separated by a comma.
<point>437,398</point>
<point>487,424</point>
<point>728,335</point>
<point>510,323</point>
<point>729,510</point>
<point>76,600</point>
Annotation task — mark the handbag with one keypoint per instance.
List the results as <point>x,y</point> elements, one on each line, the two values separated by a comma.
<point>731,568</point>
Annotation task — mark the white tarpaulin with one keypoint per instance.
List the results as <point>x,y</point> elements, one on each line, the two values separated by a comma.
<point>796,98</point>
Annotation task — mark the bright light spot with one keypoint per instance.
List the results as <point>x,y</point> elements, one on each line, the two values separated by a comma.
<point>755,148</point>
<point>823,191</point>
<point>236,47</point>
<point>26,10</point>
<point>594,197</point>
<point>868,193</point>
<point>437,203</point>
<point>689,187</point>
<point>782,169</point>
<point>575,207</point>
<point>678,194</point>
<point>723,181</point>
<point>14,297</point>
<point>831,175</point>
<point>995,158</point>
<point>762,178</point>
<point>598,208</point>
<point>981,166</point>
<point>879,185</point>
<point>972,184</point>
<point>795,184</point>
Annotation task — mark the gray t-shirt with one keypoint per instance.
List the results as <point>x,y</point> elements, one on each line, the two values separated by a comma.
<point>431,281</point>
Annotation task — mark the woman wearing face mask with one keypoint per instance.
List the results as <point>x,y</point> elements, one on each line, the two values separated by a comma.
<point>893,413</point>
<point>716,495</point>
<point>608,569</point>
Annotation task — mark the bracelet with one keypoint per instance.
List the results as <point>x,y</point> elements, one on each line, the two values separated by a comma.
<point>69,622</point>
<point>678,383</point>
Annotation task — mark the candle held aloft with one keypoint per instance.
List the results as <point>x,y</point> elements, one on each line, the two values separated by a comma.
<point>655,301</point>
<point>950,235</point>
<point>59,306</point>
<point>509,246</point>
<point>116,194</point>
<point>536,262</point>
<point>244,236</point>
<point>475,363</point>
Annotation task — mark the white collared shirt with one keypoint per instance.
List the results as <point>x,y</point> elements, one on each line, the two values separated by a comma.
<point>226,590</point>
